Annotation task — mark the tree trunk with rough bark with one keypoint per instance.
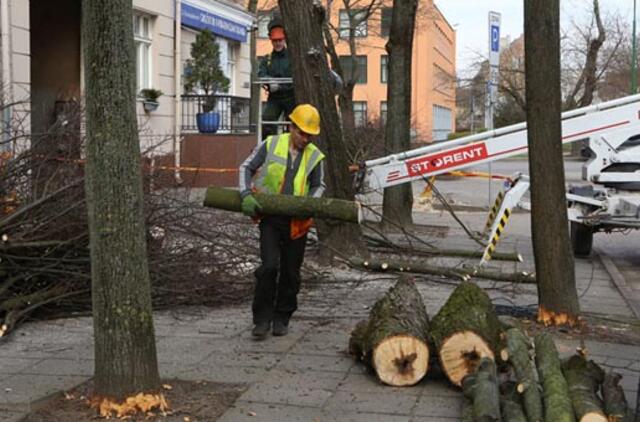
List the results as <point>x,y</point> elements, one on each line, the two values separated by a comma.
<point>555,271</point>
<point>252,7</point>
<point>125,348</point>
<point>313,84</point>
<point>398,200</point>
<point>465,330</point>
<point>393,341</point>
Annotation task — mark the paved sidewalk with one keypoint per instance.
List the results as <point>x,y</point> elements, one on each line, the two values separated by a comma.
<point>306,375</point>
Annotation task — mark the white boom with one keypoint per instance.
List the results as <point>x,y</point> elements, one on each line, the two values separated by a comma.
<point>613,131</point>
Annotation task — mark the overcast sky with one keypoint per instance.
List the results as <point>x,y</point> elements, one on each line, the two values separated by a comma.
<point>469,19</point>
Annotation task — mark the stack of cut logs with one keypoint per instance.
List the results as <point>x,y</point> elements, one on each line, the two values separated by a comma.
<point>504,375</point>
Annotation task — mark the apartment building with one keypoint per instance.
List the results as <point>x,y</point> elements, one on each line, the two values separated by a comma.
<point>42,69</point>
<point>433,74</point>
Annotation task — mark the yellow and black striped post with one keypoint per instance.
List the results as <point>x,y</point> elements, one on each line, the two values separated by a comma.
<point>493,243</point>
<point>494,210</point>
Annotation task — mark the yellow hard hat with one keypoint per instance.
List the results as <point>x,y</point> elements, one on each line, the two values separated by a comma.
<point>307,118</point>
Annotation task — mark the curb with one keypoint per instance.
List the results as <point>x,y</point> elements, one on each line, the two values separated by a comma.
<point>628,294</point>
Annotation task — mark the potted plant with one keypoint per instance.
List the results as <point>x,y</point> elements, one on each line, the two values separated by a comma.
<point>205,77</point>
<point>150,98</point>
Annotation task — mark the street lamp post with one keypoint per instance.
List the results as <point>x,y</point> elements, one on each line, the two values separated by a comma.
<point>633,53</point>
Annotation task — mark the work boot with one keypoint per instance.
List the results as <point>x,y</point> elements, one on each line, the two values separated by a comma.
<point>261,330</point>
<point>280,328</point>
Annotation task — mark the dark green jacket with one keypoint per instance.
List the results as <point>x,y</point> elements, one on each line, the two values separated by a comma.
<point>277,64</point>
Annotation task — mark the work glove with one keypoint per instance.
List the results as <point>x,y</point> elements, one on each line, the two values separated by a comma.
<point>250,206</point>
<point>274,87</point>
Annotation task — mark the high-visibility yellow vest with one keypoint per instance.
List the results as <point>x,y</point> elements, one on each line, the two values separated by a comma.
<point>270,178</point>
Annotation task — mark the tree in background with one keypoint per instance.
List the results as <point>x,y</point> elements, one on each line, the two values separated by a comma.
<point>555,270</point>
<point>125,348</point>
<point>313,84</point>
<point>398,200</point>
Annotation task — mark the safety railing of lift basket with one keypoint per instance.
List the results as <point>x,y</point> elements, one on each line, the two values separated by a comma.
<point>263,82</point>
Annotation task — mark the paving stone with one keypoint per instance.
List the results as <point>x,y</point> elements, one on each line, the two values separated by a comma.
<point>342,416</point>
<point>15,365</point>
<point>439,406</point>
<point>369,383</point>
<point>401,404</point>
<point>73,367</point>
<point>315,363</point>
<point>23,389</point>
<point>252,412</point>
<point>8,416</point>
<point>231,374</point>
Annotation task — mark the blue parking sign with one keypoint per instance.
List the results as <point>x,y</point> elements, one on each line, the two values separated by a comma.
<point>495,38</point>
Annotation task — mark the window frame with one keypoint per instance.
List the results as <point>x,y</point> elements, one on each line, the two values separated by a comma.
<point>361,62</point>
<point>362,120</point>
<point>344,23</point>
<point>385,21</point>
<point>384,68</point>
<point>383,113</point>
<point>143,43</point>
<point>262,22</point>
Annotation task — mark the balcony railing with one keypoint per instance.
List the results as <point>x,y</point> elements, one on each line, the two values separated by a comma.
<point>234,112</point>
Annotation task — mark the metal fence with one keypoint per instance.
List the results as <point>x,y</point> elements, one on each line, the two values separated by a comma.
<point>234,112</point>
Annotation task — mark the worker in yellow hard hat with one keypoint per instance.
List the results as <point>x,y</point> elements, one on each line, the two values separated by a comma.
<point>285,164</point>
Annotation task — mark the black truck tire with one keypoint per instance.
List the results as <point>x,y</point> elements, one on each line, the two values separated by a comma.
<point>581,239</point>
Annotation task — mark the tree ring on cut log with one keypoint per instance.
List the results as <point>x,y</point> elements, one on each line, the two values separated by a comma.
<point>401,360</point>
<point>460,354</point>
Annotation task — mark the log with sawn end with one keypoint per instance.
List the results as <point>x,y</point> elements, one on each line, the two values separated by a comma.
<point>584,379</point>
<point>465,330</point>
<point>615,403</point>
<point>287,205</point>
<point>393,341</point>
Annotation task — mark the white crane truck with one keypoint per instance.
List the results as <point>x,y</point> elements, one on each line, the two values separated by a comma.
<point>611,200</point>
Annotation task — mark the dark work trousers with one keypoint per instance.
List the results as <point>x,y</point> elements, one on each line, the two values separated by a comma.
<point>278,278</point>
<point>276,106</point>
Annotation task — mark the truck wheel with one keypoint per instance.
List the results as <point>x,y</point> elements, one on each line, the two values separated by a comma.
<point>581,239</point>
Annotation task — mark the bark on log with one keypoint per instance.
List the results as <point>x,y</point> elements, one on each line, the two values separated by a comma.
<point>584,379</point>
<point>482,388</point>
<point>557,404</point>
<point>518,354</point>
<point>421,268</point>
<point>510,403</point>
<point>288,205</point>
<point>394,339</point>
<point>615,403</point>
<point>464,331</point>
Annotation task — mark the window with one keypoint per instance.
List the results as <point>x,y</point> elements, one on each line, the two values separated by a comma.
<point>442,123</point>
<point>360,113</point>
<point>383,113</point>
<point>384,68</point>
<point>360,70</point>
<point>359,19</point>
<point>385,21</point>
<point>263,24</point>
<point>142,42</point>
<point>231,65</point>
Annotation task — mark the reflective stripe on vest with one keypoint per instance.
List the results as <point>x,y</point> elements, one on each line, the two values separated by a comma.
<point>270,178</point>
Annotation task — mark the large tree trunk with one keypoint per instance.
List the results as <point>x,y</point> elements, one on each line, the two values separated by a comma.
<point>394,339</point>
<point>464,331</point>
<point>557,404</point>
<point>125,348</point>
<point>303,20</point>
<point>252,7</point>
<point>292,206</point>
<point>398,200</point>
<point>557,295</point>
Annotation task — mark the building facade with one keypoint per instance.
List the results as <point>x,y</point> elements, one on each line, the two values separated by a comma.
<point>42,69</point>
<point>433,74</point>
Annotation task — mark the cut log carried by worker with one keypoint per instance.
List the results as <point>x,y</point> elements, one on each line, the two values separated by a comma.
<point>393,341</point>
<point>287,205</point>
